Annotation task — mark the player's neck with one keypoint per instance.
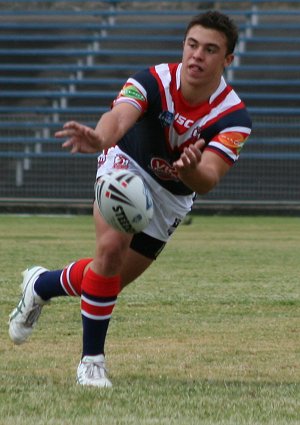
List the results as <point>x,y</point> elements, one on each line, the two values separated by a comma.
<point>198,94</point>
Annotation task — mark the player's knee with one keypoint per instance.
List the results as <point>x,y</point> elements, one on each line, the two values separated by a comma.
<point>110,254</point>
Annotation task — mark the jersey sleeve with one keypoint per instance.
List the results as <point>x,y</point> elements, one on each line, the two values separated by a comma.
<point>232,136</point>
<point>133,92</point>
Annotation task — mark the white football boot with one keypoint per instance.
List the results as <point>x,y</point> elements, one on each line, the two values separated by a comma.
<point>24,317</point>
<point>91,371</point>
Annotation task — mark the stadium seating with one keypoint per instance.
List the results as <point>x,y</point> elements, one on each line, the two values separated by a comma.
<point>67,60</point>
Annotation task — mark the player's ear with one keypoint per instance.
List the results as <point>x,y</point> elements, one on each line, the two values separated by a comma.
<point>228,59</point>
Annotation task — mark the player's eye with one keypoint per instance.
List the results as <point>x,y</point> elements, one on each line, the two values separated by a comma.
<point>192,45</point>
<point>211,49</point>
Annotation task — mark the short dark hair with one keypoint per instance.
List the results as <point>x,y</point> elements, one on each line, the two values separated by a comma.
<point>219,22</point>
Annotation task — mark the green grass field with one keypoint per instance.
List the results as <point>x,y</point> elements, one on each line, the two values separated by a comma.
<point>209,335</point>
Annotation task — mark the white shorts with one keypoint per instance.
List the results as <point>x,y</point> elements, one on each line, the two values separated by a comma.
<point>169,209</point>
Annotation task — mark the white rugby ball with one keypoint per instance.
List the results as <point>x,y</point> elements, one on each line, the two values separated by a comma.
<point>124,201</point>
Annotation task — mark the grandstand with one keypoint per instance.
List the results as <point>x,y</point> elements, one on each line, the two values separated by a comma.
<point>67,59</point>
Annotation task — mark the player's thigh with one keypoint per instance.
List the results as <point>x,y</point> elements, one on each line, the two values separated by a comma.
<point>133,263</point>
<point>111,245</point>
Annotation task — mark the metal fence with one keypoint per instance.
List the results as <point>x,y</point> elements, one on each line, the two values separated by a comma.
<point>67,60</point>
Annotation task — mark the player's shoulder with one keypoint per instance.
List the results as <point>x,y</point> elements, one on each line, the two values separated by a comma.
<point>156,72</point>
<point>145,78</point>
<point>235,105</point>
<point>153,79</point>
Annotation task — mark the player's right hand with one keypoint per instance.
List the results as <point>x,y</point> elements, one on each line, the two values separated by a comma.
<point>80,138</point>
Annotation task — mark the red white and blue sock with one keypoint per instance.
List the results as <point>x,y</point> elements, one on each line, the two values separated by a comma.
<point>63,282</point>
<point>98,298</point>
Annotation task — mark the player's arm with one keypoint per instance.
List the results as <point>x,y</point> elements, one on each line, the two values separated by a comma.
<point>114,124</point>
<point>110,129</point>
<point>199,169</point>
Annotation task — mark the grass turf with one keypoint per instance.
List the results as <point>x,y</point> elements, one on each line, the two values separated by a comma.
<point>208,335</point>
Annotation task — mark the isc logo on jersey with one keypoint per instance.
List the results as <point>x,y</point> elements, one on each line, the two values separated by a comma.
<point>183,121</point>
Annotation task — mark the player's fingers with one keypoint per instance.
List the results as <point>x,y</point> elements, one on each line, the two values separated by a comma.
<point>200,144</point>
<point>190,157</point>
<point>75,148</point>
<point>89,133</point>
<point>73,125</point>
<point>185,158</point>
<point>70,143</point>
<point>195,153</point>
<point>67,143</point>
<point>81,131</point>
<point>71,128</point>
<point>177,164</point>
<point>63,134</point>
<point>183,161</point>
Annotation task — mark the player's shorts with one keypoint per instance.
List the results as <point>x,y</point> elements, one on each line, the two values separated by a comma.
<point>168,209</point>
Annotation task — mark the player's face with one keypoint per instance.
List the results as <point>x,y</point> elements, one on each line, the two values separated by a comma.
<point>204,56</point>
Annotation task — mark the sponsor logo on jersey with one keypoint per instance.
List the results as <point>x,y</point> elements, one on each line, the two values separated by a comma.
<point>162,169</point>
<point>232,140</point>
<point>129,90</point>
<point>196,135</point>
<point>166,118</point>
<point>121,162</point>
<point>101,159</point>
<point>183,121</point>
<point>174,226</point>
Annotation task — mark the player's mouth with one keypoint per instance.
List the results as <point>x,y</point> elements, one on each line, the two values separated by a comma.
<point>195,70</point>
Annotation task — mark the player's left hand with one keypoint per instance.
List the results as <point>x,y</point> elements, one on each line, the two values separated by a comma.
<point>190,157</point>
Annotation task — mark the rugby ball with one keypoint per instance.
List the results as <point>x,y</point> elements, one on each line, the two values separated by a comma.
<point>124,201</point>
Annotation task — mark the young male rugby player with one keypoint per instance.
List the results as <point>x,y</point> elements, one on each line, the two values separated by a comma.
<point>180,127</point>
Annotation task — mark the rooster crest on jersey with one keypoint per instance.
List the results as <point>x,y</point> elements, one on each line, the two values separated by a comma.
<point>124,201</point>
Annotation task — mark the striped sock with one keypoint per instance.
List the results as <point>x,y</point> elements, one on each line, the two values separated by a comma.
<point>98,298</point>
<point>64,282</point>
<point>72,276</point>
<point>48,285</point>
